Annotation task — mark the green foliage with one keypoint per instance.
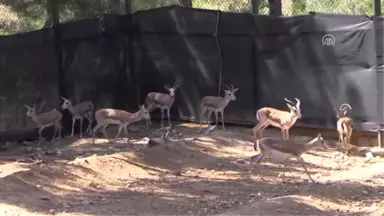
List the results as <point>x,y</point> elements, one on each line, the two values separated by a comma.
<point>26,15</point>
<point>295,7</point>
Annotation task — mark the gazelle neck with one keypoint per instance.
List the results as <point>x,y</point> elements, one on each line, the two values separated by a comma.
<point>309,145</point>
<point>137,116</point>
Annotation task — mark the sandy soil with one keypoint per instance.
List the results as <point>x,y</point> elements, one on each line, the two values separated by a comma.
<point>192,174</point>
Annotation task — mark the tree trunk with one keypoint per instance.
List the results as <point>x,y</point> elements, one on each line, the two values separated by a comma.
<point>275,7</point>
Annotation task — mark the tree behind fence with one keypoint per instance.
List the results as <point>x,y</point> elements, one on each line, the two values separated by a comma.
<point>23,16</point>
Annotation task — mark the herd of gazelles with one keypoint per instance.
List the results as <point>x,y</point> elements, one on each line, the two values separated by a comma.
<point>272,147</point>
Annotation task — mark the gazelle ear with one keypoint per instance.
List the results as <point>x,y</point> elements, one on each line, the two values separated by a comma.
<point>289,106</point>
<point>235,90</point>
<point>319,135</point>
<point>166,87</point>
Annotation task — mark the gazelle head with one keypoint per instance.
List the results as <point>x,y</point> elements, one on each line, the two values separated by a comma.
<point>295,108</point>
<point>320,141</point>
<point>30,110</point>
<point>67,103</point>
<point>230,92</point>
<point>144,111</point>
<point>342,109</point>
<point>172,89</point>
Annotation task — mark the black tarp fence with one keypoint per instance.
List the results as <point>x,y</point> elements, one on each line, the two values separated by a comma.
<point>114,61</point>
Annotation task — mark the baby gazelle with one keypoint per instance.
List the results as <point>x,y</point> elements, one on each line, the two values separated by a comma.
<point>278,148</point>
<point>105,117</point>
<point>44,120</point>
<point>79,111</point>
<point>344,124</point>
<point>217,105</point>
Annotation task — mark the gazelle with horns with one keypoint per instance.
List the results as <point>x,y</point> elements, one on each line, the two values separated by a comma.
<point>217,105</point>
<point>79,111</point>
<point>277,118</point>
<point>45,120</point>
<point>344,124</point>
<point>162,101</point>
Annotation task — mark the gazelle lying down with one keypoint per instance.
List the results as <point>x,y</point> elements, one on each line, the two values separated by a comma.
<point>277,148</point>
<point>105,117</point>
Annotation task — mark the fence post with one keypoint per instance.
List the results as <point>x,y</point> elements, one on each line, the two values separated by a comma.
<point>128,6</point>
<point>377,7</point>
<point>255,6</point>
<point>58,47</point>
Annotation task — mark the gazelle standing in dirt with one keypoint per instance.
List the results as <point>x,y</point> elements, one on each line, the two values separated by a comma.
<point>45,120</point>
<point>162,101</point>
<point>277,118</point>
<point>217,105</point>
<point>105,117</point>
<point>344,124</point>
<point>280,149</point>
<point>79,111</point>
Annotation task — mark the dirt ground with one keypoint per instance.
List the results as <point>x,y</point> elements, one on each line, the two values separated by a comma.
<point>194,174</point>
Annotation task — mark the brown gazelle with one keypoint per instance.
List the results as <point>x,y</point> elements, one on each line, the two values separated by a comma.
<point>280,149</point>
<point>344,124</point>
<point>277,118</point>
<point>44,120</point>
<point>162,101</point>
<point>217,105</point>
<point>105,117</point>
<point>79,111</point>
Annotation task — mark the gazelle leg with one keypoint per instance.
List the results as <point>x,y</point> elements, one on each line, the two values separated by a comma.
<point>201,117</point>
<point>286,133</point>
<point>222,119</point>
<point>81,127</point>
<point>73,126</point>
<point>54,133</point>
<point>261,129</point>
<point>95,129</point>
<point>126,132</point>
<point>209,116</point>
<point>217,118</point>
<point>58,125</point>
<point>162,117</point>
<point>104,129</point>
<point>282,132</point>
<point>40,134</point>
<point>305,168</point>
<point>169,118</point>
<point>118,131</point>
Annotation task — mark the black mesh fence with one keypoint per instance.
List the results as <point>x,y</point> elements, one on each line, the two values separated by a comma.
<point>100,53</point>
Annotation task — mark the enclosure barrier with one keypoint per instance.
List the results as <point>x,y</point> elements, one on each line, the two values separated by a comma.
<point>114,61</point>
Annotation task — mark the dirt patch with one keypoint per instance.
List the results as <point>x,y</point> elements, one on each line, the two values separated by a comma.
<point>192,174</point>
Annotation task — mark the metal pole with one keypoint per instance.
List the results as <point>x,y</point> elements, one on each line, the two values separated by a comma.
<point>255,6</point>
<point>377,7</point>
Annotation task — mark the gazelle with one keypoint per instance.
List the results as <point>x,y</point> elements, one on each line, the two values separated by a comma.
<point>162,101</point>
<point>105,117</point>
<point>280,149</point>
<point>44,120</point>
<point>79,111</point>
<point>277,118</point>
<point>217,105</point>
<point>344,124</point>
